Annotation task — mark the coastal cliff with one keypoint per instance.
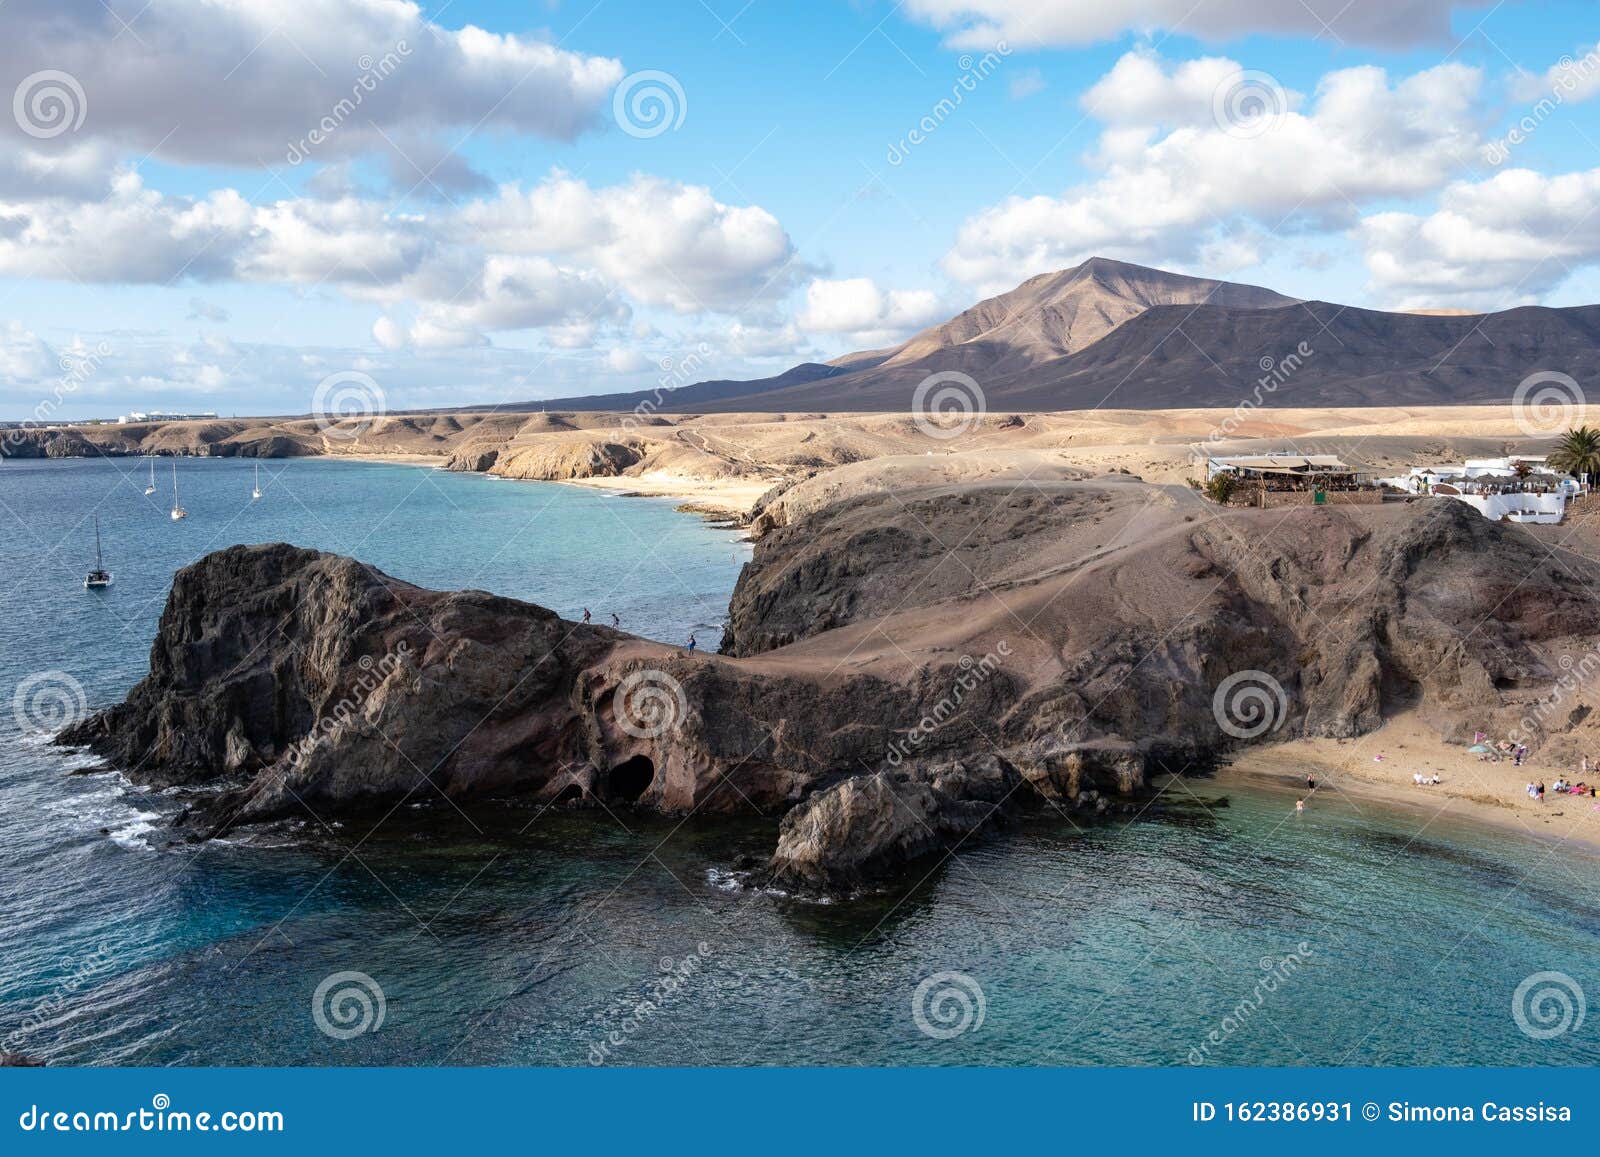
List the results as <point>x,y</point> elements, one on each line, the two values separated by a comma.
<point>886,712</point>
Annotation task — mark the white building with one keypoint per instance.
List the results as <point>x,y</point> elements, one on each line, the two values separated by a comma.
<point>1491,487</point>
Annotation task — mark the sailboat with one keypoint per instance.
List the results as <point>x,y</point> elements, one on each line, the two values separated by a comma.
<point>99,578</point>
<point>151,488</point>
<point>256,493</point>
<point>177,510</point>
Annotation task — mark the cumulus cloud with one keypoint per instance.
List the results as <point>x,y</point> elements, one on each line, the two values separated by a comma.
<point>1571,79</point>
<point>244,83</point>
<point>1025,23</point>
<point>858,309</point>
<point>563,254</point>
<point>1205,149</point>
<point>1490,244</point>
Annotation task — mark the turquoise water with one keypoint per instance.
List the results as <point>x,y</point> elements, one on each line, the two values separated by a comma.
<point>513,937</point>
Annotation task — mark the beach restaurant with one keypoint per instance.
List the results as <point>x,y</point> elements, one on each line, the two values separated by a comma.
<point>1288,472</point>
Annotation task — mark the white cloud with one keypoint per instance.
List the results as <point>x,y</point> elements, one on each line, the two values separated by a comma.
<point>668,244</point>
<point>1179,165</point>
<point>625,361</point>
<point>25,360</point>
<point>857,308</point>
<point>562,254</point>
<point>1031,23</point>
<point>1569,80</point>
<point>1490,244</point>
<point>244,83</point>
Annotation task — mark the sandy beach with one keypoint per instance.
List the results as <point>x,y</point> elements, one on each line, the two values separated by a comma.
<point>1469,789</point>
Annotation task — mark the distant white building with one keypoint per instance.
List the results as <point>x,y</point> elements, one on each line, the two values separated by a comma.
<point>1492,487</point>
<point>165,416</point>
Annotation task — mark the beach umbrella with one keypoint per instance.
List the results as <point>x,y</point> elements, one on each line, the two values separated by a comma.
<point>1478,748</point>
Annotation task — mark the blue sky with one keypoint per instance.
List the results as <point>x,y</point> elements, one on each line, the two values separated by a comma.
<point>483,228</point>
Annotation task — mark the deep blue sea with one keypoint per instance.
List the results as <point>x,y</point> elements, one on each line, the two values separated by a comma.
<point>1230,935</point>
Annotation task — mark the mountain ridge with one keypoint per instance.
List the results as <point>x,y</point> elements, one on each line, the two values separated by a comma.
<point>1151,339</point>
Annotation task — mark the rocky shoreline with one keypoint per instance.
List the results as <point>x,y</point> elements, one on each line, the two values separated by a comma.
<point>883,705</point>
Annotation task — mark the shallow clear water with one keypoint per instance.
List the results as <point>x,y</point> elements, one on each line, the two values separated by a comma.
<point>511,936</point>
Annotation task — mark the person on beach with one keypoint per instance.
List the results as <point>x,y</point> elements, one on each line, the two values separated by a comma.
<point>1539,792</point>
<point>691,644</point>
<point>586,614</point>
<point>1311,783</point>
<point>616,622</point>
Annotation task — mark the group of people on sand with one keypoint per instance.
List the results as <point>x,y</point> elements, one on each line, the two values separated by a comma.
<point>1425,780</point>
<point>1562,786</point>
<point>617,623</point>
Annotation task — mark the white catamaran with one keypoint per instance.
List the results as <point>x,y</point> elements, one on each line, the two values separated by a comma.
<point>99,578</point>
<point>177,509</point>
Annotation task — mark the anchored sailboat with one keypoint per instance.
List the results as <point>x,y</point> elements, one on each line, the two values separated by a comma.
<point>151,488</point>
<point>177,510</point>
<point>99,578</point>
<point>256,493</point>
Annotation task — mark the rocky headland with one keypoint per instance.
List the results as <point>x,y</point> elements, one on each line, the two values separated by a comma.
<point>902,671</point>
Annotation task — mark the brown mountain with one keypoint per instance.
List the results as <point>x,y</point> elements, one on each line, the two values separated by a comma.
<point>1110,333</point>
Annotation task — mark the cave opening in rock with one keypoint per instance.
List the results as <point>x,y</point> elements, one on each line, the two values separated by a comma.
<point>572,793</point>
<point>629,779</point>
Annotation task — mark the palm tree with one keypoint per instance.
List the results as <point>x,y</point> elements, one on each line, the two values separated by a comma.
<point>1578,453</point>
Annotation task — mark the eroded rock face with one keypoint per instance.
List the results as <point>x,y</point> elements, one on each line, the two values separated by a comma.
<point>1066,674</point>
<point>303,680</point>
<point>870,827</point>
